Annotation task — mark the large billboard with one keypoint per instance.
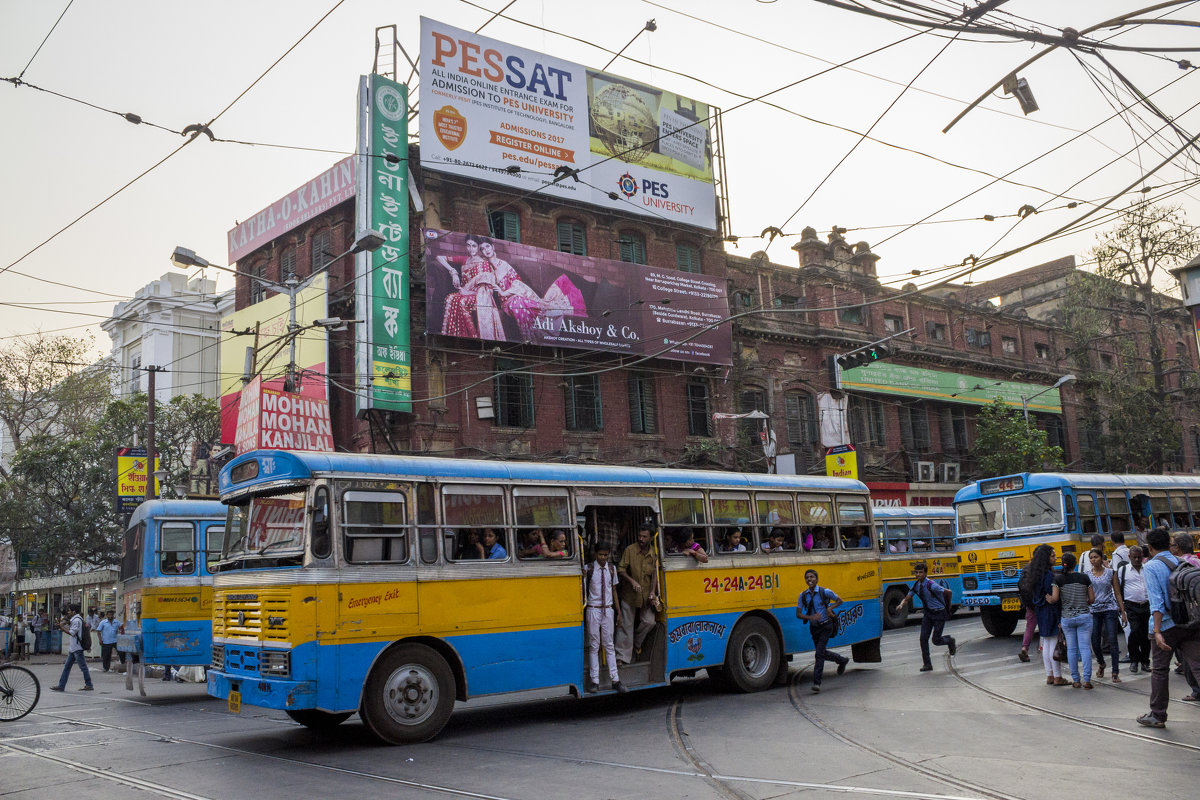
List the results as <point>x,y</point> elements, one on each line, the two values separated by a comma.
<point>480,288</point>
<point>383,358</point>
<point>264,328</point>
<point>500,113</point>
<point>334,185</point>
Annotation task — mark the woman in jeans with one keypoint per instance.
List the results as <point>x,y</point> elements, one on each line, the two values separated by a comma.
<point>1073,592</point>
<point>1109,602</point>
<point>1037,581</point>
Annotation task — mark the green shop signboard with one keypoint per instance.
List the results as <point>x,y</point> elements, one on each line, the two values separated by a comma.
<point>383,360</point>
<point>949,387</point>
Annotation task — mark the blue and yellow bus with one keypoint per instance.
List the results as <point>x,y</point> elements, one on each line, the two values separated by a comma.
<point>1001,520</point>
<point>908,535</point>
<point>166,586</point>
<point>355,583</point>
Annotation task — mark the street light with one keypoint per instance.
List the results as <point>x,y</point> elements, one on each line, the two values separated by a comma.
<point>1025,399</point>
<point>368,243</point>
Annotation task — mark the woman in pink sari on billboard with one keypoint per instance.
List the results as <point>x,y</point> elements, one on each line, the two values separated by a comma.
<point>526,306</point>
<point>475,294</point>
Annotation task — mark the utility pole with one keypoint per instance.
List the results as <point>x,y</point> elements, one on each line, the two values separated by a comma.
<point>151,455</point>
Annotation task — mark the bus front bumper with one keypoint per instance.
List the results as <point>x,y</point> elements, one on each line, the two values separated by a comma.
<point>255,690</point>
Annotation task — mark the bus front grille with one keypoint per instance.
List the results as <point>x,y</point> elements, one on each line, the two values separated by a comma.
<point>263,614</point>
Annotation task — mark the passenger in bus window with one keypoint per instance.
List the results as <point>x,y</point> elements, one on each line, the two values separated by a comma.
<point>774,542</point>
<point>808,540</point>
<point>686,544</point>
<point>856,538</point>
<point>822,538</point>
<point>493,550</point>
<point>469,545</point>
<point>732,543</point>
<point>556,547</point>
<point>535,544</point>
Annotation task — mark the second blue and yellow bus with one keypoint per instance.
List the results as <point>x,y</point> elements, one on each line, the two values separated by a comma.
<point>166,586</point>
<point>1001,520</point>
<point>392,585</point>
<point>909,535</point>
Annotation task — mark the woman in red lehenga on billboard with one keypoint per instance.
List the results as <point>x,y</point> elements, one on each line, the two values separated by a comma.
<point>475,294</point>
<point>526,306</point>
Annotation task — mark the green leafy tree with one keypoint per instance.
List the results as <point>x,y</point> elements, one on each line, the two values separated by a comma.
<point>1007,444</point>
<point>1129,412</point>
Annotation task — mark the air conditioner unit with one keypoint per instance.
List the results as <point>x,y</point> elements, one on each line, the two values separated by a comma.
<point>950,473</point>
<point>925,472</point>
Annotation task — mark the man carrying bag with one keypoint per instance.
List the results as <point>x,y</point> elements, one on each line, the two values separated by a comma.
<point>935,598</point>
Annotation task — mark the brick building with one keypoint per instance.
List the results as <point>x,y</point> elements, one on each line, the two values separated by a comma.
<point>914,431</point>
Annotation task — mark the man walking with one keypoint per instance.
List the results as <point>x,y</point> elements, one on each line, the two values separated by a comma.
<point>935,598</point>
<point>1132,579</point>
<point>816,605</point>
<point>35,629</point>
<point>108,630</point>
<point>1167,635</point>
<point>75,652</point>
<point>638,593</point>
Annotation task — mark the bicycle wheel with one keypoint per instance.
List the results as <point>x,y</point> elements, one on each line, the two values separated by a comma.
<point>19,692</point>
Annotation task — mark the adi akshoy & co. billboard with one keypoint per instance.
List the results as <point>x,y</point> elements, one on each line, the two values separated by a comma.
<point>480,288</point>
<point>487,105</point>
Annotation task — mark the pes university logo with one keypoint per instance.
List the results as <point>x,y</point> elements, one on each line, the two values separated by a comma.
<point>627,184</point>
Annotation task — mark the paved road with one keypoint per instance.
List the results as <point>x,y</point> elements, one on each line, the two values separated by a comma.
<point>981,725</point>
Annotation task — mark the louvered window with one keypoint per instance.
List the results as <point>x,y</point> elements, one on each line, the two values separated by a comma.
<point>687,257</point>
<point>698,409</point>
<point>322,250</point>
<point>583,403</point>
<point>643,408</point>
<point>504,225</point>
<point>801,419</point>
<point>633,247</point>
<point>572,238</point>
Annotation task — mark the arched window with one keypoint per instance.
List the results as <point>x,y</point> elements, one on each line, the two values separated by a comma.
<point>801,414</point>
<point>633,246</point>
<point>504,224</point>
<point>287,264</point>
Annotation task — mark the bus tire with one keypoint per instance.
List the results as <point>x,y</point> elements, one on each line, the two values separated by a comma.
<point>752,657</point>
<point>409,695</point>
<point>893,617</point>
<point>317,720</point>
<point>998,623</point>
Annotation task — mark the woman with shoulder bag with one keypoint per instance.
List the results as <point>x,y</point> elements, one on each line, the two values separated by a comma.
<point>1038,580</point>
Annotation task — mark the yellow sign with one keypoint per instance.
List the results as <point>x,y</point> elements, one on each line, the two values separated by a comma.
<point>842,465</point>
<point>131,477</point>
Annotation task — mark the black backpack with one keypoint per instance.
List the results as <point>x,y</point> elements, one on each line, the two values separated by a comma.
<point>1183,594</point>
<point>85,637</point>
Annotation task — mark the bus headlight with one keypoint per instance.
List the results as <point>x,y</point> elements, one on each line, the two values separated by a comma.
<point>275,664</point>
<point>970,583</point>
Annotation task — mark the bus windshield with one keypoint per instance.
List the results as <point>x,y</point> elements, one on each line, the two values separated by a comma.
<point>980,519</point>
<point>261,524</point>
<point>1037,510</point>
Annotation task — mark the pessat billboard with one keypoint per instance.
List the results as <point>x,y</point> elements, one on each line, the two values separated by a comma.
<point>500,113</point>
<point>480,288</point>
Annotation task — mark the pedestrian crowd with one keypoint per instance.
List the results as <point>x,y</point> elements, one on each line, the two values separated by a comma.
<point>1080,611</point>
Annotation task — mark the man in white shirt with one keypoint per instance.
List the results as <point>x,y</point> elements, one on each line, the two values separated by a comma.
<point>1120,550</point>
<point>603,611</point>
<point>1132,579</point>
<point>75,654</point>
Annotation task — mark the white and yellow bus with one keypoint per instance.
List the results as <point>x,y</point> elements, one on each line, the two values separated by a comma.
<point>352,583</point>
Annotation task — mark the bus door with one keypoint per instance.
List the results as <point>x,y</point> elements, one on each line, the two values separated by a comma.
<point>612,517</point>
<point>376,527</point>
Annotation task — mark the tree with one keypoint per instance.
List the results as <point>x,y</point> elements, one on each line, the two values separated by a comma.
<point>1115,318</point>
<point>1007,444</point>
<point>46,387</point>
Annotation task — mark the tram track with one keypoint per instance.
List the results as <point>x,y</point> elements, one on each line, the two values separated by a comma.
<point>167,790</point>
<point>1063,715</point>
<point>928,772</point>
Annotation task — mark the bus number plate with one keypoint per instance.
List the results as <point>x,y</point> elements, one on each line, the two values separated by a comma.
<point>978,601</point>
<point>1010,604</point>
<point>235,702</point>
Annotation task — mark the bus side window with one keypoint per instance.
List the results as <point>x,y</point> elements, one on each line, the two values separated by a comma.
<point>177,548</point>
<point>213,537</point>
<point>816,514</point>
<point>943,535</point>
<point>921,541</point>
<point>1194,502</point>
<point>1088,523</point>
<point>468,513</point>
<point>427,522</point>
<point>1179,510</point>
<point>854,531</point>
<point>375,526</point>
<point>683,518</point>
<point>1118,512</point>
<point>896,534</point>
<point>322,542</point>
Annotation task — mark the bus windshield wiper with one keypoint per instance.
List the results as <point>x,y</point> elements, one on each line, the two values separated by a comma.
<point>233,546</point>
<point>262,550</point>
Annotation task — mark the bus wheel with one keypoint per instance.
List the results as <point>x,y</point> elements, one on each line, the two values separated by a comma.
<point>316,720</point>
<point>893,617</point>
<point>409,695</point>
<point>998,623</point>
<point>752,658</point>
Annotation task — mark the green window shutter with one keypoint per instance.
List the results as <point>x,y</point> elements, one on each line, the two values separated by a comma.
<point>571,238</point>
<point>687,258</point>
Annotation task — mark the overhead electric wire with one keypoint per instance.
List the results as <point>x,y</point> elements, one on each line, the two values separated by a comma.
<point>195,132</point>
<point>46,38</point>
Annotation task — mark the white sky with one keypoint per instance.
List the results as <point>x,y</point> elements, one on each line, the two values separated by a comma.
<point>180,63</point>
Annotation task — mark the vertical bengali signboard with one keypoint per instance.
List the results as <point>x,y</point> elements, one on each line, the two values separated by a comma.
<point>132,477</point>
<point>383,356</point>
